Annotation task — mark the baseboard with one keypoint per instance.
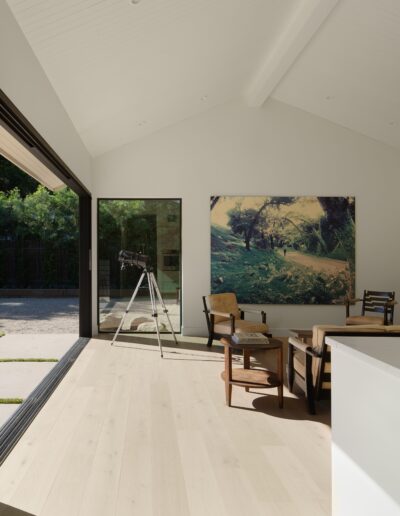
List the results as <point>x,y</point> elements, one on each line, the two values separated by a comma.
<point>194,331</point>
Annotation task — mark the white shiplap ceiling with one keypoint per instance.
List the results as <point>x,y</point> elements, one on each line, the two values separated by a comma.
<point>123,71</point>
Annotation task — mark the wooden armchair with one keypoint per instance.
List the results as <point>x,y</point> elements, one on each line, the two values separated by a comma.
<point>224,317</point>
<point>309,363</point>
<point>373,301</point>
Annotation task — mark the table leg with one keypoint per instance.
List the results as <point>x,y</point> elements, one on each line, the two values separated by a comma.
<point>246,363</point>
<point>228,375</point>
<point>280,376</point>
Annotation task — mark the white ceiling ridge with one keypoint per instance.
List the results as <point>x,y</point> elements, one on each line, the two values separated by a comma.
<point>302,26</point>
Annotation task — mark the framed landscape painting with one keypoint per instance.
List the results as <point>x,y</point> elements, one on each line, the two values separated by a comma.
<point>283,250</point>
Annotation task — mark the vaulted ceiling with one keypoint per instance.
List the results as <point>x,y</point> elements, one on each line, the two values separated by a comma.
<point>126,68</point>
<point>350,72</point>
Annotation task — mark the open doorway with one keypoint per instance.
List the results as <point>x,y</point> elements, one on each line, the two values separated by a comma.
<point>45,270</point>
<point>39,255</point>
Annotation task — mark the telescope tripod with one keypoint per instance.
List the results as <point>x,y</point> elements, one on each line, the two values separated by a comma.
<point>154,291</point>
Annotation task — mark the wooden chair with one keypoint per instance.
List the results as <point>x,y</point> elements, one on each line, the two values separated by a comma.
<point>224,317</point>
<point>309,363</point>
<point>375,302</point>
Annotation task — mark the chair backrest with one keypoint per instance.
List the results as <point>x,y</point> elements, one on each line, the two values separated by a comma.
<point>225,302</point>
<point>321,330</point>
<point>322,365</point>
<point>374,301</point>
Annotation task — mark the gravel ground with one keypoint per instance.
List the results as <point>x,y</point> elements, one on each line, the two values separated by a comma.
<point>39,315</point>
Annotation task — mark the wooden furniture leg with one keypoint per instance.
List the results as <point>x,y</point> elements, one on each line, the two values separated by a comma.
<point>228,375</point>
<point>290,368</point>
<point>246,363</point>
<point>280,376</point>
<point>309,385</point>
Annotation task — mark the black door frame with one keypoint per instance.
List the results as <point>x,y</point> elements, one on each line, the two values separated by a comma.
<point>99,199</point>
<point>16,124</point>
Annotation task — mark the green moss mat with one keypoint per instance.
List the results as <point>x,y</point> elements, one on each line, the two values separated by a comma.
<point>28,359</point>
<point>11,401</point>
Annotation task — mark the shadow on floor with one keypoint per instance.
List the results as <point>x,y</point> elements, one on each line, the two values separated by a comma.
<point>294,408</point>
<point>167,344</point>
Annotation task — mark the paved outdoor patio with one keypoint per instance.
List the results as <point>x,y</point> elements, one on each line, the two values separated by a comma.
<point>39,315</point>
<point>19,379</point>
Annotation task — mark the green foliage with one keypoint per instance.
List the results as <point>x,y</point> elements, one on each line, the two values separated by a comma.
<point>11,177</point>
<point>133,224</point>
<point>39,234</point>
<point>264,276</point>
<point>265,227</point>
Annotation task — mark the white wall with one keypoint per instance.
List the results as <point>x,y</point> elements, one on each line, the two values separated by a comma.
<point>276,150</point>
<point>22,79</point>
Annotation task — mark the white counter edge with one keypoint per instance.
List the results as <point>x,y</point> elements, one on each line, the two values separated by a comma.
<point>337,344</point>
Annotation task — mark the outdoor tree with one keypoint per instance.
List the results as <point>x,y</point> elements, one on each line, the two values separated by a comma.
<point>251,222</point>
<point>320,235</point>
<point>40,238</point>
<point>11,177</point>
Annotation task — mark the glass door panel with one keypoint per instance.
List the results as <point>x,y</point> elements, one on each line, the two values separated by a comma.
<point>151,227</point>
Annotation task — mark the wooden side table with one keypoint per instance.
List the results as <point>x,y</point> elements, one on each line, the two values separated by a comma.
<point>247,377</point>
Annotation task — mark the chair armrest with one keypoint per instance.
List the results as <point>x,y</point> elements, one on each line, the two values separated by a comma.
<point>352,301</point>
<point>301,346</point>
<point>390,303</point>
<point>227,315</point>
<point>221,314</point>
<point>260,312</point>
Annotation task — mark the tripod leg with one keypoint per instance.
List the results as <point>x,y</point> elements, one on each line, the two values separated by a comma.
<point>128,308</point>
<point>154,308</point>
<point>165,310</point>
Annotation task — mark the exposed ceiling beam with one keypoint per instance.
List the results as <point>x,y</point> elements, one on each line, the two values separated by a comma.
<point>303,24</point>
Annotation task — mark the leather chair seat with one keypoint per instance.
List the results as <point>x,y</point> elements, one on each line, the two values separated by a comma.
<point>364,319</point>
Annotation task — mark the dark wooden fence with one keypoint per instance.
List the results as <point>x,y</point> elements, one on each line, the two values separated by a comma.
<point>34,265</point>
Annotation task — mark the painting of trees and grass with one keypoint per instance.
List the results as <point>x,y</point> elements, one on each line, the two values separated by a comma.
<point>283,250</point>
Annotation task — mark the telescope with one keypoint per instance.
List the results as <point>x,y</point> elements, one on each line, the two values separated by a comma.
<point>141,261</point>
<point>133,259</point>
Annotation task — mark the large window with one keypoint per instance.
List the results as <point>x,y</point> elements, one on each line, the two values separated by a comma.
<point>151,227</point>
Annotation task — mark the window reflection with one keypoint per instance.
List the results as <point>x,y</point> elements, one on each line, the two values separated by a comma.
<point>149,226</point>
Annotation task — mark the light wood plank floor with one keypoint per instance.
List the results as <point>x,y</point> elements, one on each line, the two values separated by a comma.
<point>127,433</point>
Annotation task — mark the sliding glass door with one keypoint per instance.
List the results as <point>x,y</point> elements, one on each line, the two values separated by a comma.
<point>151,227</point>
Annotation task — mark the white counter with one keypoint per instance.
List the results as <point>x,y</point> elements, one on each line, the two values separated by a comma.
<point>365,426</point>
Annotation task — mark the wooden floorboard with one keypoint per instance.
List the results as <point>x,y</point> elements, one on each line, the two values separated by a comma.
<point>129,433</point>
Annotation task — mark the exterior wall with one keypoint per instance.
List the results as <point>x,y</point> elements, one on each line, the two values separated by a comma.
<point>24,82</point>
<point>275,150</point>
